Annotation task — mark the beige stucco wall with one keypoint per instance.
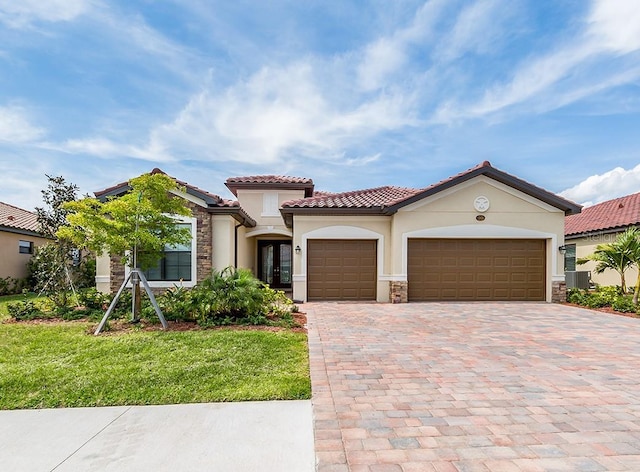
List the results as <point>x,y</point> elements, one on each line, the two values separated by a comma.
<point>268,226</point>
<point>12,262</point>
<point>252,201</point>
<point>451,214</point>
<point>341,227</point>
<point>586,246</point>
<point>448,214</point>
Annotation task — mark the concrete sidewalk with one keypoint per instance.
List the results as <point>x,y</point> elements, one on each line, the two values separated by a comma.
<point>267,436</point>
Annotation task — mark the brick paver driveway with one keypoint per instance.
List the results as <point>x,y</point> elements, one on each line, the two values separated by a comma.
<point>474,387</point>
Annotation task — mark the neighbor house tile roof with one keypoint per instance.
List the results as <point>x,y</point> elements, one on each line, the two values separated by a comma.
<point>17,218</point>
<point>367,198</point>
<point>610,215</point>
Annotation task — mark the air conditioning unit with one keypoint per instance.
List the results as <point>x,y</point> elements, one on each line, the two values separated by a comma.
<point>578,279</point>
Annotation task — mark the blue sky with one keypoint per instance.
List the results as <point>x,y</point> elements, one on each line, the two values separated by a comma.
<point>354,94</point>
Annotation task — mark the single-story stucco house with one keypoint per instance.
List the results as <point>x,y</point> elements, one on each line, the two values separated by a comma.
<point>19,237</point>
<point>600,224</point>
<point>480,235</point>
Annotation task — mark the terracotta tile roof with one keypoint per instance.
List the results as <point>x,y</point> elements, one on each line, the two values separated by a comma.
<point>617,213</point>
<point>17,218</point>
<point>269,179</point>
<point>368,198</point>
<point>124,186</point>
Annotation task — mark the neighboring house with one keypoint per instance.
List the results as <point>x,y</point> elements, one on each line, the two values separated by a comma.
<point>480,235</point>
<point>600,224</point>
<point>18,238</point>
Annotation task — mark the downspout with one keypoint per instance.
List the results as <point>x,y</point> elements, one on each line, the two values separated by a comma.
<point>235,245</point>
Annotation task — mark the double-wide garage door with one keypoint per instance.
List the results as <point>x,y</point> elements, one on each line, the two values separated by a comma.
<point>341,269</point>
<point>481,269</point>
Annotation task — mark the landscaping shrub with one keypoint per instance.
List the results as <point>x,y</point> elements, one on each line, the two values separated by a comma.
<point>12,286</point>
<point>624,305</point>
<point>25,310</point>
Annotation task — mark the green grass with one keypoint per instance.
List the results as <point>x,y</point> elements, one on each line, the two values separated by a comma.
<point>59,365</point>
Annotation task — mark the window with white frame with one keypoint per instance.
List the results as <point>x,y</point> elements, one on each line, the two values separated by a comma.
<point>178,262</point>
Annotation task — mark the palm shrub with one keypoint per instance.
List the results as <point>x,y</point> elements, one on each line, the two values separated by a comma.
<point>230,296</point>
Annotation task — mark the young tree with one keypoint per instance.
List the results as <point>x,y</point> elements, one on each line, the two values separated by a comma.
<point>136,226</point>
<point>52,267</point>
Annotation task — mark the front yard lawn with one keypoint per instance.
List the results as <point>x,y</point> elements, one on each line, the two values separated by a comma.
<point>49,365</point>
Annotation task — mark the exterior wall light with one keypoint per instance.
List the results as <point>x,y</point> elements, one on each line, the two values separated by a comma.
<point>562,249</point>
<point>298,250</point>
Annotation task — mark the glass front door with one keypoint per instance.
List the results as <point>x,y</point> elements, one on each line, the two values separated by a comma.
<point>275,265</point>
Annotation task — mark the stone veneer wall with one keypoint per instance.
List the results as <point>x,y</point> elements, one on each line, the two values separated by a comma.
<point>204,255</point>
<point>399,292</point>
<point>558,292</point>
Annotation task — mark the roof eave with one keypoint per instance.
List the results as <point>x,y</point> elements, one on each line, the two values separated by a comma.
<point>288,212</point>
<point>236,213</point>
<point>235,186</point>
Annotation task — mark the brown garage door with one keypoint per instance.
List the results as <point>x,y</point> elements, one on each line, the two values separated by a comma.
<point>341,269</point>
<point>481,269</point>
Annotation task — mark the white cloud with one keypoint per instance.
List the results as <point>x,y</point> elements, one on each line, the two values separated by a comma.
<point>21,13</point>
<point>612,27</point>
<point>15,126</point>
<point>387,55</point>
<point>598,188</point>
<point>475,29</point>
<point>615,25</point>
<point>277,113</point>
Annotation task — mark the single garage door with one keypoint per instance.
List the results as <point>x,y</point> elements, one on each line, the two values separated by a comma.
<point>481,269</point>
<point>341,269</point>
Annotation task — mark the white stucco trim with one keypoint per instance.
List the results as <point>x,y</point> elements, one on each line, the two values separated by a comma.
<point>481,232</point>
<point>194,260</point>
<point>102,279</point>
<point>272,230</point>
<point>342,232</point>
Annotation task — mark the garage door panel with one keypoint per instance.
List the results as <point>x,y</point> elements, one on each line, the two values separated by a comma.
<point>341,269</point>
<point>482,269</point>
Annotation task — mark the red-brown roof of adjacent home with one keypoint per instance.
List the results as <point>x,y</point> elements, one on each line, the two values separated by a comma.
<point>610,215</point>
<point>367,198</point>
<point>17,218</point>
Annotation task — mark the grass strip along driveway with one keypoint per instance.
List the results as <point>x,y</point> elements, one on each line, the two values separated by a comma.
<point>51,365</point>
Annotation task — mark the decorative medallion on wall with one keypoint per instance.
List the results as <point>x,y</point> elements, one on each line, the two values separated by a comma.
<point>481,203</point>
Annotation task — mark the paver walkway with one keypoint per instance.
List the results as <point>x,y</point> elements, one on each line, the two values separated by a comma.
<point>474,387</point>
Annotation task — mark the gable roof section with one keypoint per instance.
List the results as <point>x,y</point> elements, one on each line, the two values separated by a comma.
<point>487,170</point>
<point>612,215</point>
<point>17,220</point>
<point>215,203</point>
<point>388,200</point>
<point>264,182</point>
